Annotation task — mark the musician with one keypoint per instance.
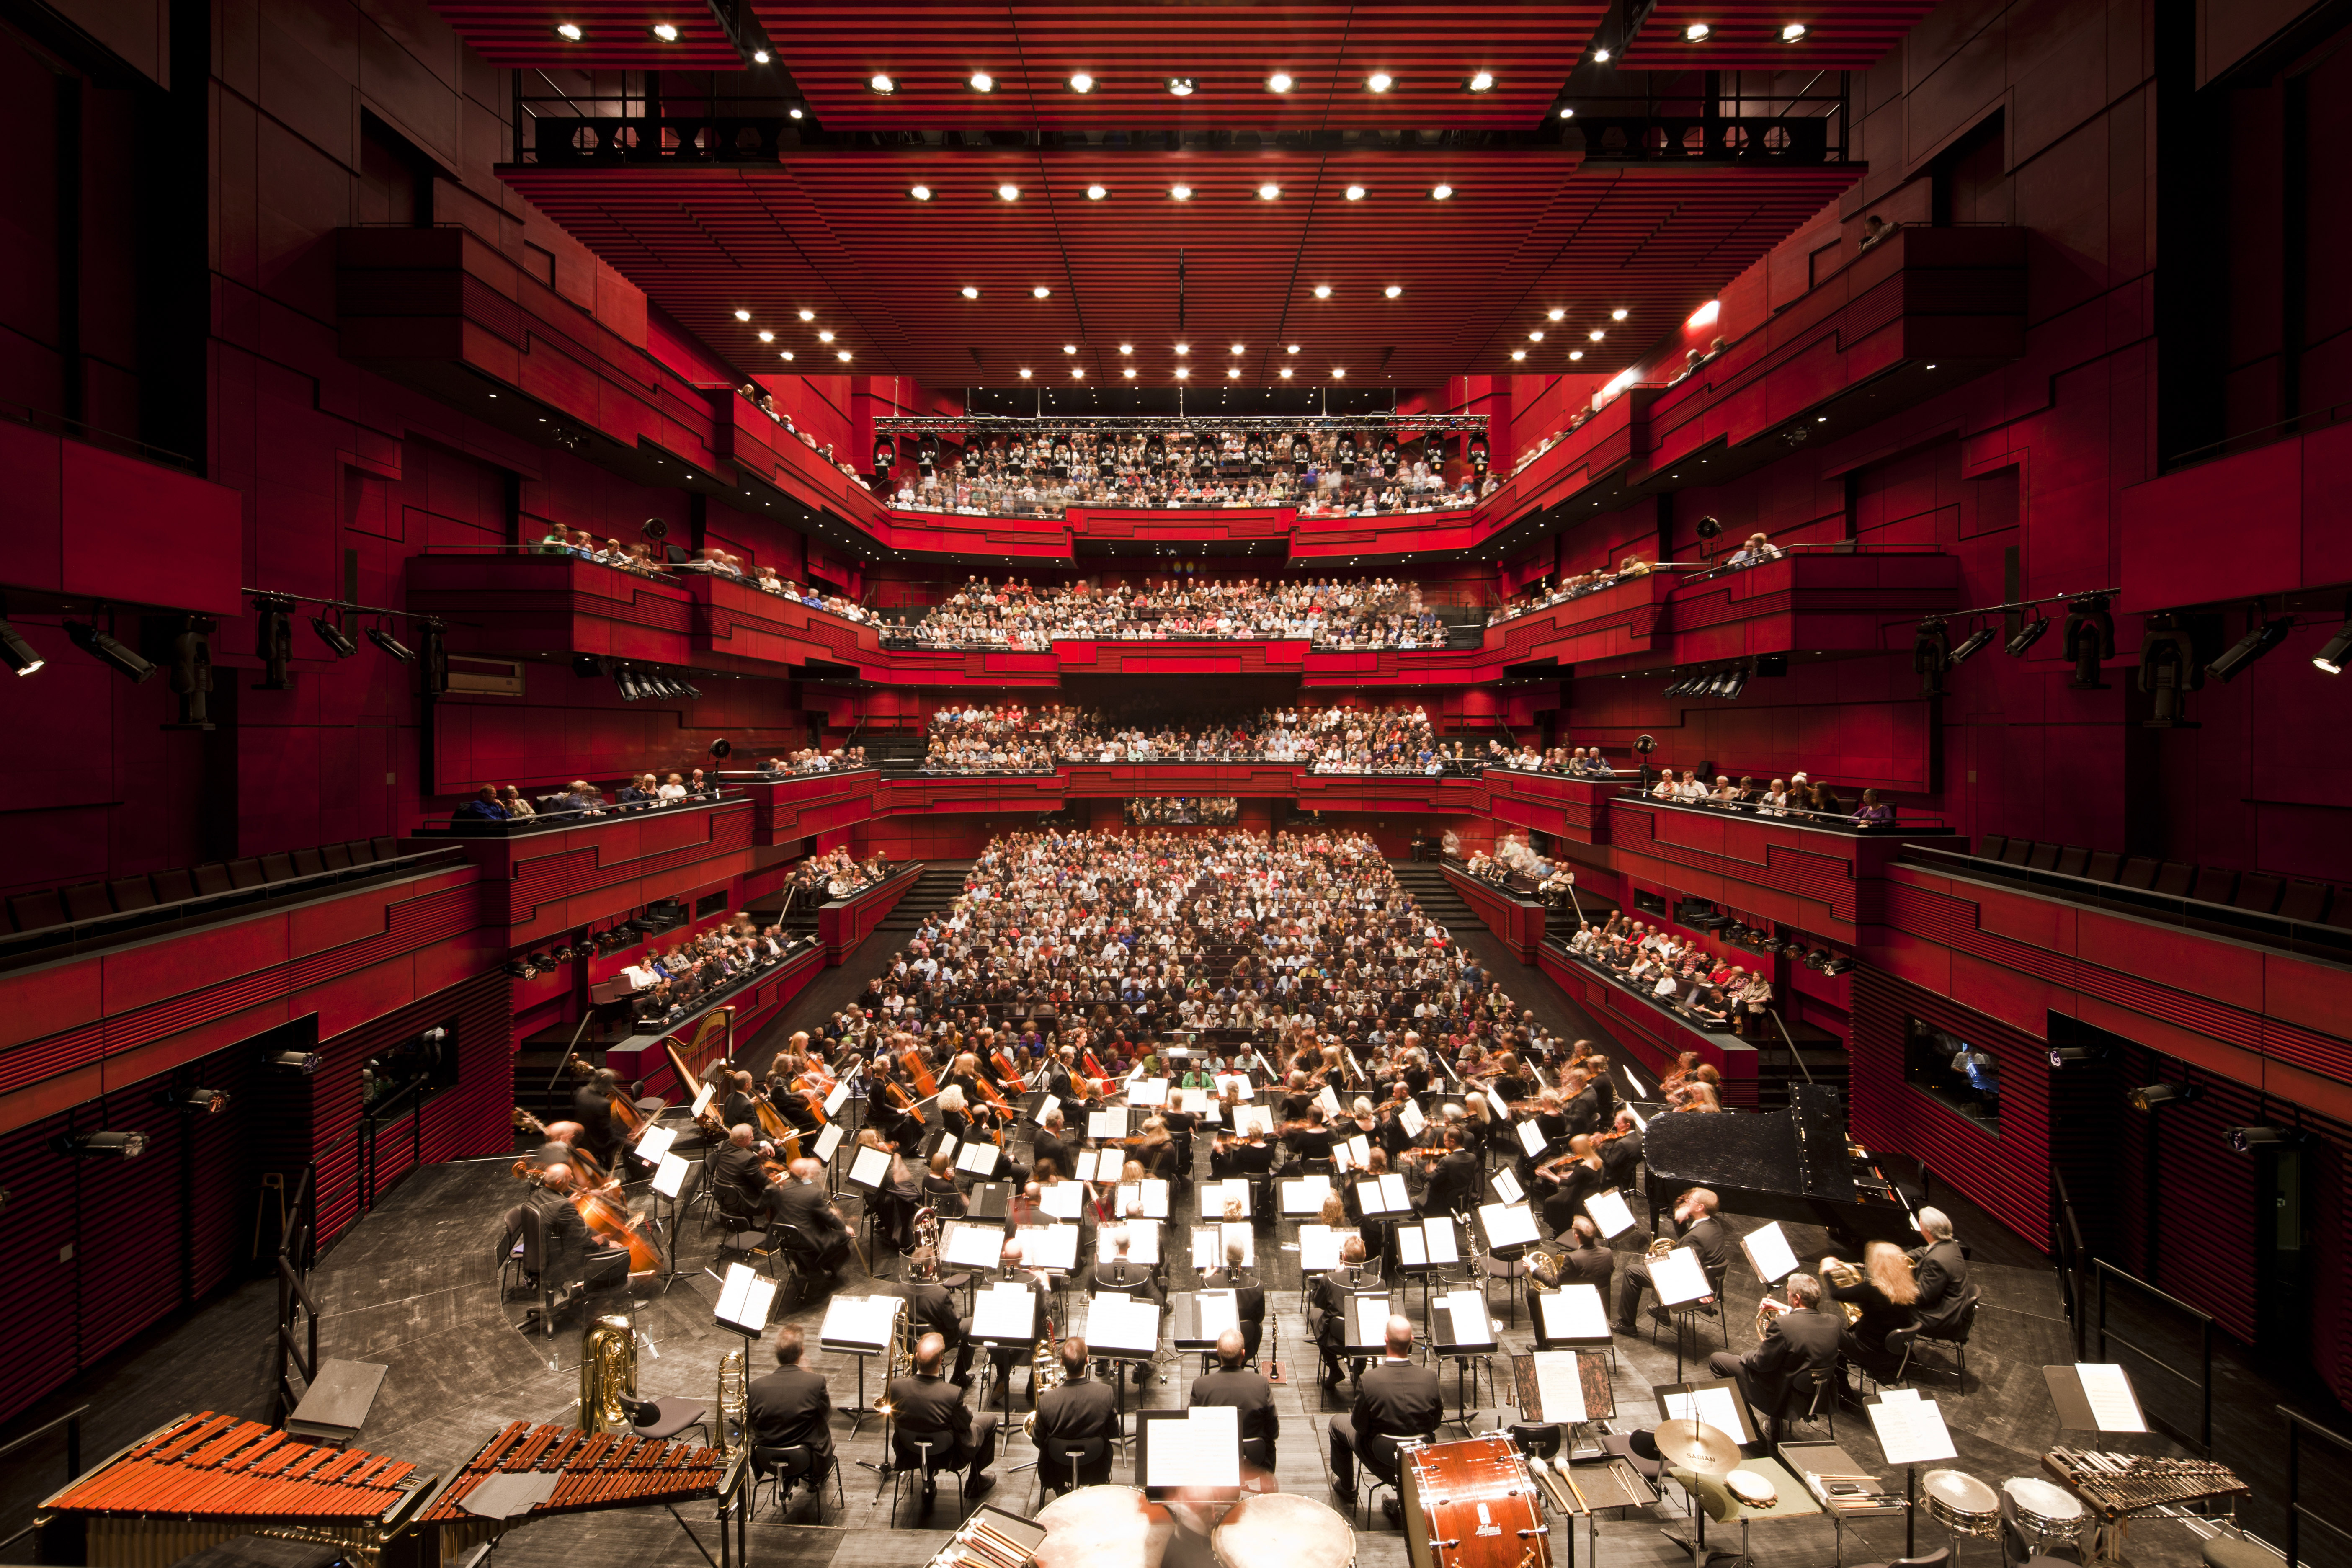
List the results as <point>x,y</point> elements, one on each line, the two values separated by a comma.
<point>1049,1146</point>
<point>1118,1274</point>
<point>1079,1410</point>
<point>1231,1384</point>
<point>1308,1139</point>
<point>930,1309</point>
<point>737,1107</point>
<point>592,1107</point>
<point>1620,1149</point>
<point>1397,1397</point>
<point>1943,1270</point>
<point>1156,1151</point>
<point>1326,1306</point>
<point>800,1204</point>
<point>1581,1105</point>
<point>1579,1179</point>
<point>1249,1298</point>
<point>1887,1293</point>
<point>1453,1184</point>
<point>926,1405</point>
<point>1799,1346</point>
<point>939,1190</point>
<point>1588,1259</point>
<point>899,1195</point>
<point>1694,1219</point>
<point>565,1249</point>
<point>738,1174</point>
<point>1006,1358</point>
<point>790,1405</point>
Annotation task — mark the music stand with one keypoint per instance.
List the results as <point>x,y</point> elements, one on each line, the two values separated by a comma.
<point>861,1326</point>
<point>1122,1328</point>
<point>669,1179</point>
<point>1911,1433</point>
<point>868,1169</point>
<point>1462,1332</point>
<point>1681,1281</point>
<point>1195,1457</point>
<point>1004,1317</point>
<point>990,1201</point>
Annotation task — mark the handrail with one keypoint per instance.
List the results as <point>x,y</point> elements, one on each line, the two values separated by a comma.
<point>2106,1270</point>
<point>2066,1242</point>
<point>1795,817</point>
<point>1795,1055</point>
<point>71,1422</point>
<point>2296,1425</point>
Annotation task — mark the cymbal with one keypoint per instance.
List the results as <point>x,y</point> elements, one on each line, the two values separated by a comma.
<point>1695,1446</point>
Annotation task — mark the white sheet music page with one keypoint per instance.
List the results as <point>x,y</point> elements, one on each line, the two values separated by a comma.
<point>1220,1310</point>
<point>1051,1246</point>
<point>1111,1123</point>
<point>1508,1188</point>
<point>1233,1231</point>
<point>734,1290</point>
<point>1152,1190</point>
<point>834,1099</point>
<point>702,1098</point>
<point>828,1139</point>
<point>1204,1455</point>
<point>671,1172</point>
<point>1062,1199</point>
<point>1143,1244</point>
<point>870,1168</point>
<point>1467,1312</point>
<point>1531,1137</point>
<point>1768,1253</point>
<point>1216,1196</point>
<point>655,1142</point>
<point>1559,1386</point>
<point>1371,1320</point>
<point>2113,1405</point>
<point>978,1159</point>
<point>1343,1158</point>
<point>1679,1276</point>
<point>1911,1431</point>
<point>1254,1119</point>
<point>1005,1311</point>
<point>1715,1407</point>
<point>1412,1250</point>
<point>1107,1166</point>
<point>1409,1112</point>
<point>1508,1224</point>
<point>1328,1101</point>
<point>1609,1212</point>
<point>1437,1231</point>
<point>1306,1195</point>
<point>1318,1248</point>
<point>1148,1091</point>
<point>973,1246</point>
<point>859,1320</point>
<point>1118,1322</point>
<point>1393,1196</point>
<point>946,1145</point>
<point>1360,1150</point>
<point>1194,1101</point>
<point>1574,1312</point>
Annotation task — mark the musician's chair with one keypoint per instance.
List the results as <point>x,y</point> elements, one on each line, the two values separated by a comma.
<point>922,1457</point>
<point>798,1462</point>
<point>1953,1329</point>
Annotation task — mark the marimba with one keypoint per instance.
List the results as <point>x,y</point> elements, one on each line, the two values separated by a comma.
<point>592,1471</point>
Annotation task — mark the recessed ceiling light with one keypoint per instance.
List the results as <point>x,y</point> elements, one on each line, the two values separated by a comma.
<point>1181,193</point>
<point>1082,82</point>
<point>920,192</point>
<point>1127,348</point>
<point>1519,353</point>
<point>1128,373</point>
<point>795,111</point>
<point>1184,348</point>
<point>1338,373</point>
<point>1322,291</point>
<point>1576,354</point>
<point>1009,191</point>
<point>1024,373</point>
<point>1566,112</point>
<point>1232,372</point>
<point>759,56</point>
<point>1237,348</point>
<point>1267,191</point>
<point>1041,291</point>
<point>842,354</point>
<point>1293,349</point>
<point>1535,337</point>
<point>825,336</point>
<point>1482,82</point>
<point>1619,314</point>
<point>666,32</point>
<point>983,82</point>
<point>1601,56</point>
<point>569,32</point>
<point>1697,32</point>
<point>1182,371</point>
<point>1596,334</point>
<point>1181,86</point>
<point>1278,82</point>
<point>767,337</point>
<point>787,354</point>
<point>808,315</point>
<point>1393,290</point>
<point>741,315</point>
<point>1070,348</point>
<point>1380,81</point>
<point>1706,315</point>
<point>969,292</point>
<point>1096,192</point>
<point>1441,193</point>
<point>1794,33</point>
<point>1355,192</point>
<point>1077,373</point>
<point>881,84</point>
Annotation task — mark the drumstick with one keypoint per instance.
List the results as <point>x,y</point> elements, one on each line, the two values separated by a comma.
<point>1577,1490</point>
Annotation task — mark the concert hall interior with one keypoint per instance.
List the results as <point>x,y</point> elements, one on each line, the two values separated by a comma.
<point>784,774</point>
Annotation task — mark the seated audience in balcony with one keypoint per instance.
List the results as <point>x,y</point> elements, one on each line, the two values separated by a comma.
<point>641,791</point>
<point>1329,614</point>
<point>1873,812</point>
<point>671,790</point>
<point>1753,552</point>
<point>581,796</point>
<point>511,801</point>
<point>1775,800</point>
<point>556,541</point>
<point>1335,738</point>
<point>483,807</point>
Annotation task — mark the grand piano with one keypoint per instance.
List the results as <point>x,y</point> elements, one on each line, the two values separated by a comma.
<point>1794,1165</point>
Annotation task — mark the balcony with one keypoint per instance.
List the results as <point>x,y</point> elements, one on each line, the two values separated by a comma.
<point>2287,513</point>
<point>785,811</point>
<point>1653,1035</point>
<point>520,603</point>
<point>1516,921</point>
<point>842,923</point>
<point>1575,810</point>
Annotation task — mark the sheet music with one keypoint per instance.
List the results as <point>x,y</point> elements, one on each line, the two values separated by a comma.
<point>1305,1194</point>
<point>1717,1407</point>
<point>1679,1276</point>
<point>744,1299</point>
<point>1394,1199</point>
<point>1148,1091</point>
<point>1343,1158</point>
<point>978,1159</point>
<point>1508,1225</point>
<point>1144,1245</point>
<point>671,1172</point>
<point>1574,1312</point>
<point>1768,1253</point>
<point>654,1143</point>
<point>1209,1245</point>
<point>1412,1252</point>
<point>1360,1150</point>
<point>702,1098</point>
<point>870,1168</point>
<point>860,1320</point>
<point>828,1141</point>
<point>971,1245</point>
<point>1215,1196</point>
<point>1370,1314</point>
<point>1609,1212</point>
<point>1494,1103</point>
<point>1254,1120</point>
<point>1220,1310</point>
<point>1202,1453</point>
<point>1508,1188</point>
<point>1318,1248</point>
<point>1194,1100</point>
<point>1560,1385</point>
<point>1911,1431</point>
<point>833,1100</point>
<point>1004,1313</point>
<point>1328,1101</point>
<point>1111,1123</point>
<point>2113,1405</point>
<point>1102,1165</point>
<point>1061,1199</point>
<point>1045,1102</point>
<point>1152,1190</point>
<point>1437,1231</point>
<point>1235,1084</point>
<point>946,1145</point>
<point>1054,1247</point>
<point>1409,1113</point>
<point>1531,1137</point>
<point>1467,1310</point>
<point>1118,1321</point>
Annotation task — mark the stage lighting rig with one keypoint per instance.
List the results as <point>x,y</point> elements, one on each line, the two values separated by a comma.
<point>104,1145</point>
<point>2262,637</point>
<point>102,646</point>
<point>333,634</point>
<point>2155,1096</point>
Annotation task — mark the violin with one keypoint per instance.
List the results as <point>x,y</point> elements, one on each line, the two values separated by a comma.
<point>919,1070</point>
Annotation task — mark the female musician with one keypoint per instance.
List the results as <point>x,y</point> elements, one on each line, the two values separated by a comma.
<point>899,1196</point>
<point>1685,1066</point>
<point>1156,1150</point>
<point>1569,1179</point>
<point>1886,1290</point>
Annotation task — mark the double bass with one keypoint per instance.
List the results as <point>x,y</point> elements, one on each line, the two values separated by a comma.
<point>604,1214</point>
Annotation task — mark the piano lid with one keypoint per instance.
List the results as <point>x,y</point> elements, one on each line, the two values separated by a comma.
<point>1799,1152</point>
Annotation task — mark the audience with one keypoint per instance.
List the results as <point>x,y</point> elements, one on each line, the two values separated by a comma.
<point>1328,613</point>
<point>1335,739</point>
<point>671,985</point>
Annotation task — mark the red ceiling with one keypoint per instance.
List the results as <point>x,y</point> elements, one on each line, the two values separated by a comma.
<point>1745,35</point>
<point>837,234</point>
<point>616,34</point>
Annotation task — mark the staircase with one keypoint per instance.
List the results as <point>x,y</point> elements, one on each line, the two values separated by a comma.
<point>1825,1059</point>
<point>1425,880</point>
<point>933,891</point>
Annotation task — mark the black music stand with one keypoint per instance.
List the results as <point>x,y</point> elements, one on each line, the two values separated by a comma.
<point>1003,1336</point>
<point>833,1334</point>
<point>1465,1354</point>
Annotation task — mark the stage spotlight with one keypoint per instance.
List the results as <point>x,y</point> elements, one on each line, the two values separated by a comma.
<point>2074,1056</point>
<point>304,1062</point>
<point>625,681</point>
<point>695,692</point>
<point>2264,637</point>
<point>1931,655</point>
<point>1709,526</point>
<point>2246,1140</point>
<point>2090,637</point>
<point>2150,1096</point>
<point>195,1101</point>
<point>1734,681</point>
<point>390,644</point>
<point>102,646</point>
<point>2027,636</point>
<point>1975,643</point>
<point>22,656</point>
<point>105,1145</point>
<point>2330,658</point>
<point>334,637</point>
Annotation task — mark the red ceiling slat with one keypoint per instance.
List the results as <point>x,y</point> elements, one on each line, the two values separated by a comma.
<point>1745,35</point>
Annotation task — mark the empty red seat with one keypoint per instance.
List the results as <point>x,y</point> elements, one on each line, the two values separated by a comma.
<point>33,911</point>
<point>2303,900</point>
<point>245,873</point>
<point>2014,852</point>
<point>309,862</point>
<point>2044,858</point>
<point>2213,885</point>
<point>2139,872</point>
<point>2176,879</point>
<point>2258,892</point>
<point>362,852</point>
<point>277,868</point>
<point>175,885</point>
<point>338,856</point>
<point>87,901</point>
<point>215,877</point>
<point>2106,865</point>
<point>382,846</point>
<point>132,893</point>
<point>2072,861</point>
<point>1990,847</point>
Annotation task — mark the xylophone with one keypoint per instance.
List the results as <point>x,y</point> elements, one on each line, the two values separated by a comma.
<point>592,1471</point>
<point>200,1479</point>
<point>2120,1484</point>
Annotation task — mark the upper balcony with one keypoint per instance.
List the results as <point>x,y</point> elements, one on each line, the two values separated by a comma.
<point>803,805</point>
<point>2288,504</point>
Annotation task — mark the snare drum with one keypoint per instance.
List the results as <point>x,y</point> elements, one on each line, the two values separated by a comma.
<point>1478,1494</point>
<point>2045,1513</point>
<point>1965,1505</point>
<point>1114,1527</point>
<point>1282,1530</point>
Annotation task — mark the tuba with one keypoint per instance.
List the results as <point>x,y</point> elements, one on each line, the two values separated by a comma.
<point>734,1401</point>
<point>608,1375</point>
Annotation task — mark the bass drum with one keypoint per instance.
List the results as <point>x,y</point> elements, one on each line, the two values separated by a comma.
<point>1103,1527</point>
<point>1477,1497</point>
<point>1282,1530</point>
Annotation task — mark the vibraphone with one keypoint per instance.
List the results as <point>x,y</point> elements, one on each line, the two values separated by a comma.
<point>593,1471</point>
<point>2121,1484</point>
<point>197,1481</point>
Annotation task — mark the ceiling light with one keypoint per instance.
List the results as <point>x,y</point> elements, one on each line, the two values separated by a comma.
<point>1794,33</point>
<point>1267,191</point>
<point>1096,192</point>
<point>787,354</point>
<point>1182,371</point>
<point>114,1146</point>
<point>1285,373</point>
<point>1078,371</point>
<point>882,84</point>
<point>1128,373</point>
<point>1619,314</point>
<point>1576,354</point>
<point>1697,32</point>
<point>1040,293</point>
<point>1010,193</point>
<point>1555,314</point>
<point>1519,353</point>
<point>1127,348</point>
<point>391,644</point>
<point>1184,348</point>
<point>1597,333</point>
<point>1237,348</point>
<point>569,32</point>
<point>759,56</point>
<point>1070,348</point>
<point>1706,314</point>
<point>1535,337</point>
<point>1278,82</point>
<point>983,82</point>
<point>1338,374</point>
<point>1566,112</point>
<point>767,337</point>
<point>333,635</point>
<point>1393,290</point>
<point>2330,658</point>
<point>2149,1096</point>
<point>808,315</point>
<point>22,656</point>
<point>1181,193</point>
<point>920,192</point>
<point>1971,645</point>
<point>2264,637</point>
<point>1024,373</point>
<point>1292,349</point>
<point>795,111</point>
<point>742,315</point>
<point>1181,86</point>
<point>102,646</point>
<point>666,32</point>
<point>1482,82</point>
<point>1232,372</point>
<point>969,292</point>
<point>842,354</point>
<point>1380,81</point>
<point>825,336</point>
<point>1601,57</point>
<point>1082,82</point>
<point>1440,192</point>
<point>1322,291</point>
<point>1355,192</point>
<point>2027,636</point>
<point>304,1062</point>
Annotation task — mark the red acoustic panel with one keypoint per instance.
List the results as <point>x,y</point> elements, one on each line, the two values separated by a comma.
<point>1750,35</point>
<point>615,34</point>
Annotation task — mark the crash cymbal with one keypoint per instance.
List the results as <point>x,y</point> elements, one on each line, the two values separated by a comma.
<point>1695,1446</point>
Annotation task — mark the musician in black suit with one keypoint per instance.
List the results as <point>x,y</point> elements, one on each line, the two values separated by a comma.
<point>1798,1348</point>
<point>592,1107</point>
<point>1943,1270</point>
<point>1114,1272</point>
<point>790,1405</point>
<point>1247,1391</point>
<point>1048,1145</point>
<point>1327,1306</point>
<point>1249,1296</point>
<point>1621,1150</point>
<point>799,1204</point>
<point>738,1177</point>
<point>1310,1141</point>
<point>927,1407</point>
<point>1079,1410</point>
<point>737,1107</point>
<point>1397,1399</point>
<point>930,1309</point>
<point>1006,1358</point>
<point>1701,1232</point>
<point>1455,1180</point>
<point>1588,1259</point>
